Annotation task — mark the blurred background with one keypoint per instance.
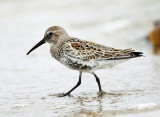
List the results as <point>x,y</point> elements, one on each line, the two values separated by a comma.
<point>29,84</point>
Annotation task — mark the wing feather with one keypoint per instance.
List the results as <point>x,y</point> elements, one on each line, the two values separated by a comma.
<point>92,51</point>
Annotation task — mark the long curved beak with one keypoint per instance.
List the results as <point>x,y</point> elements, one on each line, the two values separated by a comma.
<point>37,45</point>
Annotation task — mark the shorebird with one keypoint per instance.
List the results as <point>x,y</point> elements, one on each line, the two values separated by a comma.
<point>83,56</point>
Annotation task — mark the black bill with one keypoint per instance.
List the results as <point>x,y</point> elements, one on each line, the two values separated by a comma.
<point>37,45</point>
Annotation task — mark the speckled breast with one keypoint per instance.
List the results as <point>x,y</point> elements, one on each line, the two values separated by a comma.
<point>70,62</point>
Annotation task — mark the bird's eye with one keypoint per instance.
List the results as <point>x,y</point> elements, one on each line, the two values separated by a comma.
<point>50,33</point>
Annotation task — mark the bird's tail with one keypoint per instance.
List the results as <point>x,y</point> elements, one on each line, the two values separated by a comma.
<point>136,54</point>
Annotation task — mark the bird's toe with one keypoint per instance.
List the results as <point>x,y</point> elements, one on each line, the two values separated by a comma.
<point>62,94</point>
<point>101,93</point>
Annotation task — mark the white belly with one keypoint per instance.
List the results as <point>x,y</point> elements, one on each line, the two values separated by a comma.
<point>109,63</point>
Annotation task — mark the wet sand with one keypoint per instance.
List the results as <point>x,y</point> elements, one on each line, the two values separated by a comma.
<point>29,84</point>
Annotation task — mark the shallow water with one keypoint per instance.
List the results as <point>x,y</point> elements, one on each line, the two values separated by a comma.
<point>29,84</point>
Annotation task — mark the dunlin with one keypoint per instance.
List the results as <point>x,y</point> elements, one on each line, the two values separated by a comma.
<point>81,55</point>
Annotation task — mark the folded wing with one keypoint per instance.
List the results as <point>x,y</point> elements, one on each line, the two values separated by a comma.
<point>91,51</point>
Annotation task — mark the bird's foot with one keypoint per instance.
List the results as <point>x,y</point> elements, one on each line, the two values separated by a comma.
<point>62,94</point>
<point>101,93</point>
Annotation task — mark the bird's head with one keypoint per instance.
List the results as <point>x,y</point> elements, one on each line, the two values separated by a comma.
<point>52,35</point>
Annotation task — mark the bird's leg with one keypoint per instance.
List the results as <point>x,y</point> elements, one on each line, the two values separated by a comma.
<point>101,92</point>
<point>78,83</point>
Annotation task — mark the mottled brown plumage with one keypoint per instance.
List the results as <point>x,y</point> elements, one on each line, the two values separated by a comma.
<point>81,55</point>
<point>93,51</point>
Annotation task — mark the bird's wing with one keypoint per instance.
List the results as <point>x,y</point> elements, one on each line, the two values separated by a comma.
<point>92,51</point>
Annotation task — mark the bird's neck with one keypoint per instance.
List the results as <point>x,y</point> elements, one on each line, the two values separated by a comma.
<point>55,46</point>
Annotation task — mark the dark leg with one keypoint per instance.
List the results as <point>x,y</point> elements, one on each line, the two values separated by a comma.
<point>78,83</point>
<point>99,84</point>
<point>98,81</point>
